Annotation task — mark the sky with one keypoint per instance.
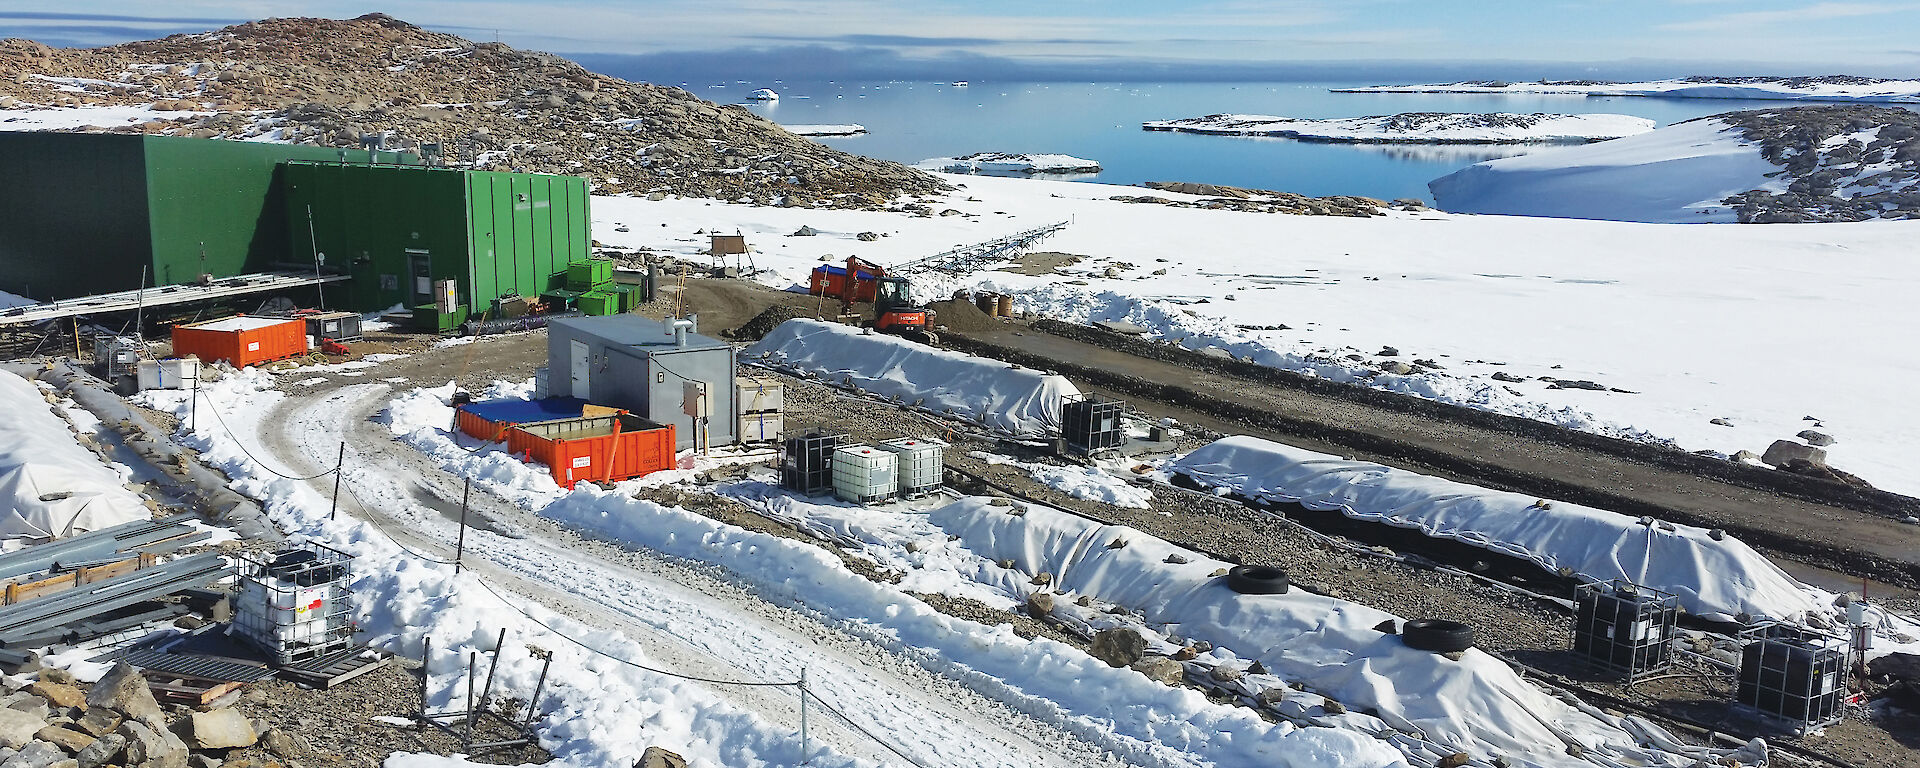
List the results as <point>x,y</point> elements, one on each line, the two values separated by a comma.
<point>1074,39</point>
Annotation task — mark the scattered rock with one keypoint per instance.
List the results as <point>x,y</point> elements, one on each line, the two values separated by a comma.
<point>1176,559</point>
<point>1784,452</point>
<point>1397,368</point>
<point>1819,439</point>
<point>1041,579</point>
<point>1507,377</point>
<point>867,237</point>
<point>1118,646</point>
<point>221,729</point>
<point>17,728</point>
<point>99,722</point>
<point>1226,674</point>
<point>66,738</point>
<point>805,231</point>
<point>1455,760</point>
<point>1186,653</point>
<point>152,748</point>
<point>1388,352</point>
<point>1744,456</point>
<point>1040,604</point>
<point>656,757</point>
<point>101,751</point>
<point>1720,422</point>
<point>39,754</point>
<point>123,689</point>
<point>1160,669</point>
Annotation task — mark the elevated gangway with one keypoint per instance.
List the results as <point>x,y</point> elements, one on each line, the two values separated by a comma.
<point>967,258</point>
<point>127,301</point>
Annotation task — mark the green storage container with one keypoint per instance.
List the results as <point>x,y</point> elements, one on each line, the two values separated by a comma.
<point>629,296</point>
<point>600,303</point>
<point>589,275</point>
<point>561,300</point>
<point>427,317</point>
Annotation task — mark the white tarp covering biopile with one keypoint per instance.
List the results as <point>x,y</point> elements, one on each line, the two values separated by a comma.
<point>1476,704</point>
<point>51,486</point>
<point>1717,579</point>
<point>1019,401</point>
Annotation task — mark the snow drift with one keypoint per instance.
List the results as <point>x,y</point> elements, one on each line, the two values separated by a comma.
<point>1018,401</point>
<point>1825,88</point>
<point>51,486</point>
<point>1717,579</point>
<point>1677,174</point>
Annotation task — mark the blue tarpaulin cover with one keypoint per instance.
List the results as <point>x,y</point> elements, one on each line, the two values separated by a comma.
<point>527,411</point>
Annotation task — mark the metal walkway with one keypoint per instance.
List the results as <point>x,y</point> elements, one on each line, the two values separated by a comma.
<point>127,301</point>
<point>969,257</point>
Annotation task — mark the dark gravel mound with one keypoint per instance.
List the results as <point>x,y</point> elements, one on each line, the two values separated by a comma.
<point>961,315</point>
<point>764,323</point>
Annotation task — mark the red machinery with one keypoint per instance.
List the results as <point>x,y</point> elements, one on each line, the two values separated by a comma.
<point>893,308</point>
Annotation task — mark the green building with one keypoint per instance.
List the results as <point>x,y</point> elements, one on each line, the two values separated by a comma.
<point>87,212</point>
<point>399,230</point>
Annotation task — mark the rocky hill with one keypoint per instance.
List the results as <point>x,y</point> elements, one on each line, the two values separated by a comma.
<point>328,82</point>
<point>1839,163</point>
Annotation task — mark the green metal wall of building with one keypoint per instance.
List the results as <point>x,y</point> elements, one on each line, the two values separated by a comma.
<point>73,213</point>
<point>396,230</point>
<point>86,211</point>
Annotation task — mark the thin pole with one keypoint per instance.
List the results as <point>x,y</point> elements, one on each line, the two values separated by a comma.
<point>193,408</point>
<point>533,704</point>
<point>426,670</point>
<point>460,545</point>
<point>339,464</point>
<point>499,647</point>
<point>314,243</point>
<point>804,751</point>
<point>140,309</point>
<point>473,659</point>
<point>76,337</point>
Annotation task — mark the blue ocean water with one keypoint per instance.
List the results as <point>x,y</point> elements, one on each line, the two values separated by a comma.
<point>912,121</point>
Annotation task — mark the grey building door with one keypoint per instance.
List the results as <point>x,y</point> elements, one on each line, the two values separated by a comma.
<point>578,366</point>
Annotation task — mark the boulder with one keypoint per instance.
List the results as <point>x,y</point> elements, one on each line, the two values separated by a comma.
<point>150,748</point>
<point>123,689</point>
<point>222,729</point>
<point>1785,452</point>
<point>1226,674</point>
<point>1118,646</point>
<point>99,722</point>
<point>1040,604</point>
<point>1161,669</point>
<point>101,752</point>
<point>66,738</point>
<point>18,729</point>
<point>1820,439</point>
<point>58,694</point>
<point>39,754</point>
<point>656,757</point>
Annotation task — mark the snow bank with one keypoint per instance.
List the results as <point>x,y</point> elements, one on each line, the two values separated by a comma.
<point>1838,88</point>
<point>1677,174</point>
<point>1155,724</point>
<point>1018,401</point>
<point>1715,579</point>
<point>63,118</point>
<point>52,486</point>
<point>1085,483</point>
<point>1419,127</point>
<point>1003,162</point>
<point>1477,704</point>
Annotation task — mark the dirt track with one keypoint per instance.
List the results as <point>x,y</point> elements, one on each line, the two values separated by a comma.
<point>1827,544</point>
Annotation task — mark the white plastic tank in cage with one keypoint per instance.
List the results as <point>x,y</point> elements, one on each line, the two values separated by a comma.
<point>864,474</point>
<point>921,464</point>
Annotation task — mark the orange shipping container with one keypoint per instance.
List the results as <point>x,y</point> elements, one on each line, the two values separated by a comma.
<point>598,448</point>
<point>241,340</point>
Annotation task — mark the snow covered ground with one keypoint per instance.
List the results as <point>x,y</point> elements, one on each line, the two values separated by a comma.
<point>1788,89</point>
<point>1420,128</point>
<point>1755,326</point>
<point>28,119</point>
<point>1677,174</point>
<point>1008,163</point>
<point>1671,175</point>
<point>50,484</point>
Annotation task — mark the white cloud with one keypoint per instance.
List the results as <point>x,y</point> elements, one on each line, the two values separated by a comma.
<point>1751,19</point>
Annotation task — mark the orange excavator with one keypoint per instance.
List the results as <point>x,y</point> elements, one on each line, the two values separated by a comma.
<point>894,310</point>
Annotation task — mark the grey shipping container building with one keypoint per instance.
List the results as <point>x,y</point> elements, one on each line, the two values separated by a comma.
<point>643,366</point>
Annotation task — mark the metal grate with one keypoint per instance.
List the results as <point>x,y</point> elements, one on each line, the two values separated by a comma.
<point>1793,673</point>
<point>806,464</point>
<point>202,666</point>
<point>1090,423</point>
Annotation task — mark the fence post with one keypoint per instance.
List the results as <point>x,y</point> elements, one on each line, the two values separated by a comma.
<point>804,750</point>
<point>460,545</point>
<point>339,465</point>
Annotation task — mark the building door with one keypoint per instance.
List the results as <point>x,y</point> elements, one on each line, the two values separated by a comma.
<point>420,270</point>
<point>578,349</point>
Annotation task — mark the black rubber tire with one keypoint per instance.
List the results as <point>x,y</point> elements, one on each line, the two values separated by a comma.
<point>1257,580</point>
<point>1437,635</point>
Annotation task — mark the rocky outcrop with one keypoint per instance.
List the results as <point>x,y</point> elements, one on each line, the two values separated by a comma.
<point>1838,163</point>
<point>328,82</point>
<point>1219,197</point>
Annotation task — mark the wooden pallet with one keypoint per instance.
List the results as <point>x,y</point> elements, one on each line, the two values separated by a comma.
<point>188,689</point>
<point>334,669</point>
